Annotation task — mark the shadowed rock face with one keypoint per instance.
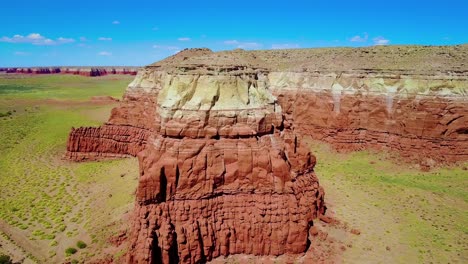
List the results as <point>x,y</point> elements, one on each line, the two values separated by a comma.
<point>223,170</point>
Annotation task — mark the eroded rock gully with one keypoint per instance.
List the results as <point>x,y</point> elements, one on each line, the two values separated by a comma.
<point>218,137</point>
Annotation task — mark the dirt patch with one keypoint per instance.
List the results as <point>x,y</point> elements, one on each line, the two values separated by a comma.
<point>16,253</point>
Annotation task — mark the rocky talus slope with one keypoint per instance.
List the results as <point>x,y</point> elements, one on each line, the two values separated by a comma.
<point>218,137</point>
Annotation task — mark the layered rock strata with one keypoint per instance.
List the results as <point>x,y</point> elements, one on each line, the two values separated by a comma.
<point>412,100</point>
<point>223,170</point>
<point>222,175</point>
<point>125,134</point>
<point>422,117</point>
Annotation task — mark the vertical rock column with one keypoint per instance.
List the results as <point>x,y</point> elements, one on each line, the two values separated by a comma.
<point>223,175</point>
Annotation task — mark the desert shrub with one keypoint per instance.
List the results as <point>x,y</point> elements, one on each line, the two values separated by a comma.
<point>70,251</point>
<point>81,244</point>
<point>5,259</point>
<point>9,113</point>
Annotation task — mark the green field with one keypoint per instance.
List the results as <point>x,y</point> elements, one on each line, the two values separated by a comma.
<point>66,87</point>
<point>48,204</point>
<point>404,215</point>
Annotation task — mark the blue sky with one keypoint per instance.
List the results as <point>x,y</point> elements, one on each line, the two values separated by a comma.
<point>100,32</point>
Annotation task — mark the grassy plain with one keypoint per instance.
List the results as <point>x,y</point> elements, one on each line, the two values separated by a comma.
<point>404,215</point>
<point>49,204</point>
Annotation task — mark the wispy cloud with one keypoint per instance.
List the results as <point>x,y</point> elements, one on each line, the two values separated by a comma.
<point>184,39</point>
<point>104,53</point>
<point>359,38</point>
<point>285,46</point>
<point>164,47</point>
<point>243,45</point>
<point>36,39</point>
<point>249,45</point>
<point>380,41</point>
<point>105,39</point>
<point>155,28</point>
<point>65,40</point>
<point>20,53</point>
<point>115,22</point>
<point>83,39</point>
<point>231,42</point>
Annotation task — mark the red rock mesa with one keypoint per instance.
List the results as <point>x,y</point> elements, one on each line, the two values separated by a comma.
<point>218,137</point>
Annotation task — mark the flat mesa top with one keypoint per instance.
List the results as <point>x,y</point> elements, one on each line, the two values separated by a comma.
<point>407,59</point>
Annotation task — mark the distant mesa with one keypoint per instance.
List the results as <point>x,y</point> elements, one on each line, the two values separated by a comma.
<point>90,72</point>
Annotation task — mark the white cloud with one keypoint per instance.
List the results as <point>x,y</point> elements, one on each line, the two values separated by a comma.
<point>65,40</point>
<point>47,42</point>
<point>21,53</point>
<point>184,39</point>
<point>285,46</point>
<point>231,42</point>
<point>249,45</point>
<point>243,45</point>
<point>358,38</point>
<point>83,39</point>
<point>36,39</point>
<point>105,53</point>
<point>104,39</point>
<point>166,47</point>
<point>115,22</point>
<point>380,41</point>
<point>35,36</point>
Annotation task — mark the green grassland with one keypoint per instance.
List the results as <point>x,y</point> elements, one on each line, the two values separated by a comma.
<point>46,202</point>
<point>404,215</point>
<point>69,87</point>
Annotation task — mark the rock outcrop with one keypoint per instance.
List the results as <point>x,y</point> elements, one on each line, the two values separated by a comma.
<point>218,137</point>
<point>125,134</point>
<point>223,175</point>
<point>423,117</point>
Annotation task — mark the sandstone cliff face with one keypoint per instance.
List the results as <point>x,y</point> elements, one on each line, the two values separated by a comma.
<point>127,131</point>
<point>222,167</point>
<point>421,116</point>
<point>221,176</point>
<point>125,134</point>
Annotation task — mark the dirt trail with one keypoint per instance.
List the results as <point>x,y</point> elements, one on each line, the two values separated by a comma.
<point>21,246</point>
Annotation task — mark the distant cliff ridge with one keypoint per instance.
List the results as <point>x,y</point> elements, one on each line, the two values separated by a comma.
<point>84,71</point>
